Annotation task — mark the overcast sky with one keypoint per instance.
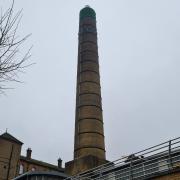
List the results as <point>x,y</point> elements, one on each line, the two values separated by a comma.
<point>139,54</point>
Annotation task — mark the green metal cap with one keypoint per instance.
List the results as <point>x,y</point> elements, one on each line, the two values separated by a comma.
<point>87,12</point>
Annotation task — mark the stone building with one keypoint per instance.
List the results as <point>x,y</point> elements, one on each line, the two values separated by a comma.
<point>10,150</point>
<point>13,164</point>
<point>27,164</point>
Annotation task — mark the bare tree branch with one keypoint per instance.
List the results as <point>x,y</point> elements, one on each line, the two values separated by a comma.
<point>11,63</point>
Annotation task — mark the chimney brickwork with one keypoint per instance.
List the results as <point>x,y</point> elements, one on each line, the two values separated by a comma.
<point>89,146</point>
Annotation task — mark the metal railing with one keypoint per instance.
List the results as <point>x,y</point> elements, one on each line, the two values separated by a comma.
<point>161,158</point>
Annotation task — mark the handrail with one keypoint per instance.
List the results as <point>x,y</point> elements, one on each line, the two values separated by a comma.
<point>156,159</point>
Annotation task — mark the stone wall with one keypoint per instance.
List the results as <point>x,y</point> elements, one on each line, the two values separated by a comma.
<point>9,159</point>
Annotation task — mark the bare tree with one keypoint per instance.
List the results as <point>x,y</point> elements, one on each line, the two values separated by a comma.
<point>11,60</point>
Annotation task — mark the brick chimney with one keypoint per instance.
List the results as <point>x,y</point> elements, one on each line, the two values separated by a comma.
<point>89,145</point>
<point>28,154</point>
<point>59,163</point>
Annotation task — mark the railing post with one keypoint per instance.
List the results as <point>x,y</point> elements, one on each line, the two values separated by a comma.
<point>78,177</point>
<point>170,158</point>
<point>131,167</point>
<point>100,173</point>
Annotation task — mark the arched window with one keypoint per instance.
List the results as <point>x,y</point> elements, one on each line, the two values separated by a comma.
<point>21,169</point>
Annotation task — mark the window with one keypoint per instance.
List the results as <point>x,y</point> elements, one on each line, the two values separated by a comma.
<point>33,169</point>
<point>21,169</point>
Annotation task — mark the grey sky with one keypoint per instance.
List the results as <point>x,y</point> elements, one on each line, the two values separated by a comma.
<point>139,54</point>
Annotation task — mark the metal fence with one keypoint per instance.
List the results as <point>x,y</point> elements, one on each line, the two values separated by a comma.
<point>143,164</point>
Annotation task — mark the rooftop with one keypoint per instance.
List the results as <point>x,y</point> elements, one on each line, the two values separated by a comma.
<point>11,138</point>
<point>41,163</point>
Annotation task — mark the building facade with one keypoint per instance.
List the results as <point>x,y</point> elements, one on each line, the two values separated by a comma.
<point>10,150</point>
<point>13,164</point>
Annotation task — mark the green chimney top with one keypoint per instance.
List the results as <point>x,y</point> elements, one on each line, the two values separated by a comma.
<point>87,12</point>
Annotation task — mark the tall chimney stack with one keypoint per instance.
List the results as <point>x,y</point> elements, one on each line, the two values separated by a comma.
<point>59,163</point>
<point>89,147</point>
<point>28,153</point>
